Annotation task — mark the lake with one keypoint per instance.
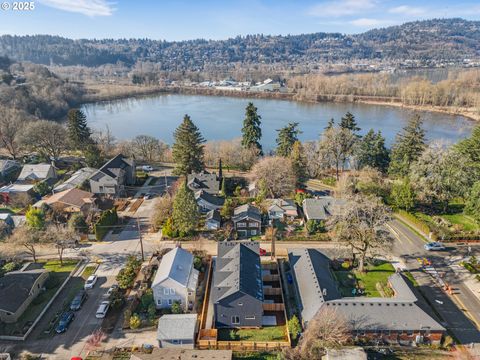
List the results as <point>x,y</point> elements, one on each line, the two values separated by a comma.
<point>220,118</point>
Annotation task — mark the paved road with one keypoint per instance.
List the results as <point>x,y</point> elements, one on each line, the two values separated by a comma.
<point>460,312</point>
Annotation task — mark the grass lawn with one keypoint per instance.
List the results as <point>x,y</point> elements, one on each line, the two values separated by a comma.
<point>378,273</point>
<point>268,333</point>
<point>254,356</point>
<point>461,219</point>
<point>89,270</point>
<point>57,276</point>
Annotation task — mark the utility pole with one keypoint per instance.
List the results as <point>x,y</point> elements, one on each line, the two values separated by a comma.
<point>140,237</point>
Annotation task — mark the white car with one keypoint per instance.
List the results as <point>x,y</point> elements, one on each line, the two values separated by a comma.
<point>102,310</point>
<point>111,290</point>
<point>90,283</point>
<point>147,168</point>
<point>434,246</point>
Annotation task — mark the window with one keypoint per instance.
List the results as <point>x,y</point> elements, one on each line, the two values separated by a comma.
<point>170,301</point>
<point>249,317</point>
<point>166,291</point>
<point>409,332</point>
<point>254,232</point>
<point>172,291</point>
<point>253,224</point>
<point>240,304</point>
<point>190,293</point>
<point>176,341</point>
<point>241,224</point>
<point>159,302</point>
<point>235,320</point>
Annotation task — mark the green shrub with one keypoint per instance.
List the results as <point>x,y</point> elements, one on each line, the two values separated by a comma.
<point>294,327</point>
<point>77,223</point>
<point>315,226</point>
<point>135,321</point>
<point>420,224</point>
<point>197,262</point>
<point>107,219</point>
<point>169,230</point>
<point>11,266</point>
<point>177,308</point>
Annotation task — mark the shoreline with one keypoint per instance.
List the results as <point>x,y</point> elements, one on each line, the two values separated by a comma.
<point>105,93</point>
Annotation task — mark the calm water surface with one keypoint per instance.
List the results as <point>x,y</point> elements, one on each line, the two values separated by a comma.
<point>220,118</point>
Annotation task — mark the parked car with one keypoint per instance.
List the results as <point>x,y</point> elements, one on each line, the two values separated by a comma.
<point>147,196</point>
<point>111,290</point>
<point>91,281</point>
<point>263,252</point>
<point>102,310</point>
<point>434,246</point>
<point>78,300</point>
<point>65,320</point>
<point>147,168</point>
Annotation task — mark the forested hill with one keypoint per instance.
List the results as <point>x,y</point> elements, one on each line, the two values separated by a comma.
<point>428,41</point>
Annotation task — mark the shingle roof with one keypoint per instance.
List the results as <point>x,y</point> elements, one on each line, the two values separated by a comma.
<point>34,171</point>
<point>76,180</point>
<point>16,188</point>
<point>114,167</point>
<point>204,181</point>
<point>209,198</point>
<point>237,269</point>
<point>7,164</point>
<point>177,326</point>
<point>74,197</point>
<point>15,288</point>
<point>246,210</point>
<point>320,208</point>
<point>184,354</point>
<point>177,265</point>
<point>214,215</point>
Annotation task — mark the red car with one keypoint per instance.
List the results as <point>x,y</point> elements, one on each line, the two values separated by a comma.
<point>263,252</point>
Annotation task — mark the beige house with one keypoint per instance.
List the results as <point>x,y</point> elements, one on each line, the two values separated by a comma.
<point>17,291</point>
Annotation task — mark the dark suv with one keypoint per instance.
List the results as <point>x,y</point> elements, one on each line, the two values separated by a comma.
<point>78,300</point>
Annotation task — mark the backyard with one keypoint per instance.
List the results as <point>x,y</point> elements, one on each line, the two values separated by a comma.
<point>57,276</point>
<point>267,333</point>
<point>372,283</point>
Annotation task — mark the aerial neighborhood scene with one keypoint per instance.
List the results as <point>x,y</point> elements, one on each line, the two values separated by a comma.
<point>247,180</point>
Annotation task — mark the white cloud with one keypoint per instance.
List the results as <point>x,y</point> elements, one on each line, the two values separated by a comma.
<point>367,22</point>
<point>407,10</point>
<point>341,8</point>
<point>85,7</point>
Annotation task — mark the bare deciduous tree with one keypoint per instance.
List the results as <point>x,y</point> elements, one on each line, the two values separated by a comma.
<point>360,223</point>
<point>46,137</point>
<point>276,174</point>
<point>62,237</point>
<point>148,147</point>
<point>12,123</point>
<point>27,238</point>
<point>336,146</point>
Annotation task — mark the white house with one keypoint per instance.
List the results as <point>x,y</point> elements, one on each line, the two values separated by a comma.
<point>176,280</point>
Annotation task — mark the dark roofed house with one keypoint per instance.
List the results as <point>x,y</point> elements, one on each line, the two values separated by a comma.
<point>209,183</point>
<point>17,291</point>
<point>207,201</point>
<point>247,221</point>
<point>8,169</point>
<point>321,208</point>
<point>402,318</point>
<point>112,178</point>
<point>213,220</point>
<point>237,289</point>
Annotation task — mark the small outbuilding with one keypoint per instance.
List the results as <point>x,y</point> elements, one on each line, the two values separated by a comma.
<point>177,331</point>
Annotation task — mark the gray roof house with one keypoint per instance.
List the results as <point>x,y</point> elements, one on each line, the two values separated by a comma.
<point>237,289</point>
<point>280,209</point>
<point>213,220</point>
<point>399,318</point>
<point>77,179</point>
<point>321,208</point>
<point>33,173</point>
<point>112,178</point>
<point>177,331</point>
<point>176,280</point>
<point>9,168</point>
<point>247,221</point>
<point>205,181</point>
<point>17,291</point>
<point>207,201</point>
<point>183,354</point>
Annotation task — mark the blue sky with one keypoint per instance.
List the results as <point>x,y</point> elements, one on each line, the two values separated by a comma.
<point>220,19</point>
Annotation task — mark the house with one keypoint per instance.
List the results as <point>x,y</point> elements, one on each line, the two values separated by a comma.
<point>183,354</point>
<point>177,331</point>
<point>346,353</point>
<point>207,201</point>
<point>247,221</point>
<point>77,179</point>
<point>280,209</point>
<point>7,222</point>
<point>17,291</point>
<point>113,177</point>
<point>71,201</point>
<point>15,193</point>
<point>208,182</point>
<point>402,318</point>
<point>35,173</point>
<point>8,169</point>
<point>321,208</point>
<point>176,280</point>
<point>237,289</point>
<point>213,220</point>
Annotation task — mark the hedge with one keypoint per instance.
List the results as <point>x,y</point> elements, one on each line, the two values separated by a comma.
<point>420,224</point>
<point>107,219</point>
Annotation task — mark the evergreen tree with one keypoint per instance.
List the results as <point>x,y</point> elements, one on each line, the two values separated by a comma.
<point>185,213</point>
<point>470,149</point>
<point>188,150</point>
<point>287,136</point>
<point>408,146</point>
<point>299,163</point>
<point>372,152</point>
<point>251,131</point>
<point>403,196</point>
<point>93,157</point>
<point>78,131</point>
<point>330,124</point>
<point>472,203</point>
<point>223,189</point>
<point>349,122</point>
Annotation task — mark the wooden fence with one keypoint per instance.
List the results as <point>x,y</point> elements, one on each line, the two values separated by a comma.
<point>273,307</point>
<point>271,277</point>
<point>272,291</point>
<point>252,345</point>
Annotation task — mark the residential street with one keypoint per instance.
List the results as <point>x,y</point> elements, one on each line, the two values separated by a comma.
<point>459,312</point>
